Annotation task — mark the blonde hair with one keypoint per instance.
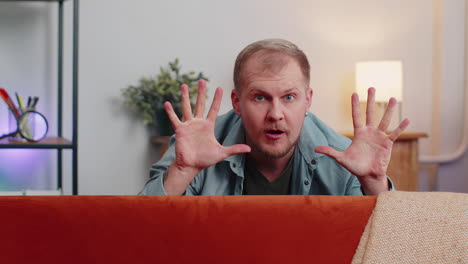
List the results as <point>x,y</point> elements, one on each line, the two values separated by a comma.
<point>275,46</point>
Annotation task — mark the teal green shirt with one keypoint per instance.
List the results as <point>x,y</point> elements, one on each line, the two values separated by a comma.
<point>314,173</point>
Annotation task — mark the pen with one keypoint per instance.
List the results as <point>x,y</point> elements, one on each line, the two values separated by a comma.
<point>20,102</point>
<point>9,102</point>
<point>34,102</point>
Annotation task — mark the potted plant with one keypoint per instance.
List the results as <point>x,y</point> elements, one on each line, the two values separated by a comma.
<point>148,97</point>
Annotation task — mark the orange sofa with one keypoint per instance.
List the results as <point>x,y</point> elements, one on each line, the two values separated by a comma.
<point>176,229</point>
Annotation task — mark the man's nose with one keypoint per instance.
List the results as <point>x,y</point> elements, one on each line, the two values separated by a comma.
<point>276,112</point>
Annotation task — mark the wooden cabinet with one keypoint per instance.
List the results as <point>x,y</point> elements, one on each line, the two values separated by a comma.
<point>404,164</point>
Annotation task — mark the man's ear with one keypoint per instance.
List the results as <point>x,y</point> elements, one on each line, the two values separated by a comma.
<point>309,94</point>
<point>235,101</point>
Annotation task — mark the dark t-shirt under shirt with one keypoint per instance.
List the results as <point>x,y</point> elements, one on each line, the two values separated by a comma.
<point>255,183</point>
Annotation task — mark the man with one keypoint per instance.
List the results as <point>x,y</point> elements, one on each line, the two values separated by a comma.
<point>269,143</point>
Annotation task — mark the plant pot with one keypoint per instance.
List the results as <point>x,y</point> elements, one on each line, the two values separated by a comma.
<point>163,124</point>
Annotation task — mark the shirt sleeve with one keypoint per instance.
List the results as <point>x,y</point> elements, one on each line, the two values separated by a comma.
<point>353,187</point>
<point>155,185</point>
<point>391,187</point>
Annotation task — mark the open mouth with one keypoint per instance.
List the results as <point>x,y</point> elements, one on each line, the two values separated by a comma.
<point>274,134</point>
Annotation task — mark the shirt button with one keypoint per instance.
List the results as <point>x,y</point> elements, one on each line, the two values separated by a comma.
<point>314,162</point>
<point>306,182</point>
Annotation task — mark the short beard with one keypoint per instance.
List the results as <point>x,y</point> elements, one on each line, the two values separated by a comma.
<point>274,155</point>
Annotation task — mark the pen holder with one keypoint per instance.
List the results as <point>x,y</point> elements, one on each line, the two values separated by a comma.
<point>32,126</point>
<point>13,126</point>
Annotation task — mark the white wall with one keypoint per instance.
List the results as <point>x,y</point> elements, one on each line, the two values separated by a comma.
<point>453,176</point>
<point>120,41</point>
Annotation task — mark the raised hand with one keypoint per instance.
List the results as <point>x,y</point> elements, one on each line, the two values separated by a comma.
<point>196,147</point>
<point>369,154</point>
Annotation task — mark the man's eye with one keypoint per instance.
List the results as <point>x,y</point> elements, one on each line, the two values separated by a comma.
<point>289,97</point>
<point>259,98</point>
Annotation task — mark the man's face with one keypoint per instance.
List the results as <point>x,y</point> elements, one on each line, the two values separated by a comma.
<point>272,103</point>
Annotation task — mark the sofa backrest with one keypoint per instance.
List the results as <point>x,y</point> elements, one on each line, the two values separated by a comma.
<point>176,229</point>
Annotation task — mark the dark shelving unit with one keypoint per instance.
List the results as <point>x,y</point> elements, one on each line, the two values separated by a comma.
<point>59,143</point>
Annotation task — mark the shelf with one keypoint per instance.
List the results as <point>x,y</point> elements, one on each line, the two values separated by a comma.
<point>46,143</point>
<point>59,143</point>
<point>33,0</point>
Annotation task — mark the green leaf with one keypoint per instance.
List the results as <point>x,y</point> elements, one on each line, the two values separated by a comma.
<point>149,95</point>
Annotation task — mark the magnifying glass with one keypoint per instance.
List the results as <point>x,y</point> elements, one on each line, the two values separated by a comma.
<point>31,126</point>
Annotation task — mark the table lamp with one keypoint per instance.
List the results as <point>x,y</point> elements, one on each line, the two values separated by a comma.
<point>385,77</point>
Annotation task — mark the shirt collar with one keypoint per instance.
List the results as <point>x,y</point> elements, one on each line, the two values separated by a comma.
<point>235,136</point>
<point>311,137</point>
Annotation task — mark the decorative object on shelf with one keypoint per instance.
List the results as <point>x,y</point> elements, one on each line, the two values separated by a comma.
<point>148,97</point>
<point>32,126</point>
<point>385,76</point>
<point>26,124</point>
<point>11,105</point>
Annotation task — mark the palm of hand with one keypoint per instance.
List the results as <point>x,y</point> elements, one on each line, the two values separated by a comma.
<point>190,145</point>
<point>370,151</point>
<point>196,146</point>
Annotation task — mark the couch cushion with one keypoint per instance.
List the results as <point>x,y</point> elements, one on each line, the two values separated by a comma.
<point>176,229</point>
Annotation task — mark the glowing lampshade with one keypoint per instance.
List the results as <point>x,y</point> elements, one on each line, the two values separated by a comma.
<point>384,76</point>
